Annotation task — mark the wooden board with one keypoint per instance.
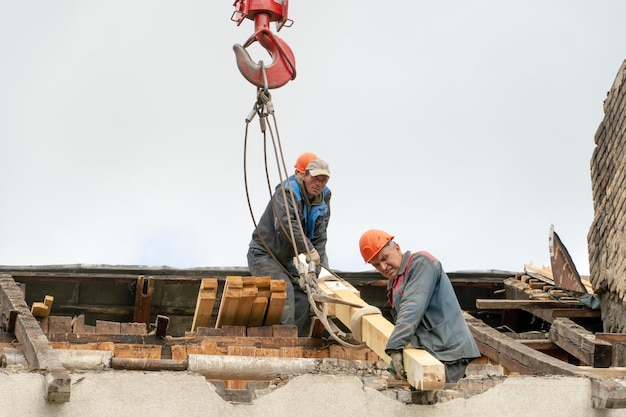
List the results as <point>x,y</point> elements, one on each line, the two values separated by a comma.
<point>500,304</point>
<point>230,300</point>
<point>257,312</point>
<point>276,302</point>
<point>244,306</point>
<point>205,303</point>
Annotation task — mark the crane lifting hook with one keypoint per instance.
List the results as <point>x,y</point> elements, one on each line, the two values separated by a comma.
<point>283,67</point>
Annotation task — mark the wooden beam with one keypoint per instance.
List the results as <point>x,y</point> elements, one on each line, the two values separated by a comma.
<point>229,302</point>
<point>204,304</point>
<point>257,312</point>
<point>143,299</point>
<point>613,371</point>
<point>611,337</point>
<point>576,312</point>
<point>278,297</point>
<point>581,343</point>
<point>36,348</point>
<point>246,300</point>
<point>538,344</point>
<point>424,371</point>
<point>513,355</point>
<point>500,304</point>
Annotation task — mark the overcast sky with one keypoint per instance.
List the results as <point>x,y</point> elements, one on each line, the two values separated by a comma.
<point>464,128</point>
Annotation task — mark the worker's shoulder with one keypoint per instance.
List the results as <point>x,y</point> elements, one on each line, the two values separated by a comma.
<point>425,254</point>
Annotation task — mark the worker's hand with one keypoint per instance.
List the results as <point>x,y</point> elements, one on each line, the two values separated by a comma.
<point>397,364</point>
<point>313,256</point>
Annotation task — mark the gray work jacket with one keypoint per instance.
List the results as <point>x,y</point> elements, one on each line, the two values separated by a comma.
<point>426,311</point>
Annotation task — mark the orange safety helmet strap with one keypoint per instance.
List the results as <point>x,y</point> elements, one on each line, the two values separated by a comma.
<point>372,242</point>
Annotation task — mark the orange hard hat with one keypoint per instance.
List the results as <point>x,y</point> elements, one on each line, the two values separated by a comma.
<point>303,160</point>
<point>372,242</point>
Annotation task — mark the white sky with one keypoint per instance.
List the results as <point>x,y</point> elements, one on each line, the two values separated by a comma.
<point>465,128</point>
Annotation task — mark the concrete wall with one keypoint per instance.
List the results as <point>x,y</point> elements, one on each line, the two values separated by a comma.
<point>132,393</point>
<point>607,236</point>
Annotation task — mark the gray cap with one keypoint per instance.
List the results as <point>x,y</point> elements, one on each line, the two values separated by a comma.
<point>318,167</point>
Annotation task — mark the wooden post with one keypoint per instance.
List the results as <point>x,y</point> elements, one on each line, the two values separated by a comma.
<point>143,299</point>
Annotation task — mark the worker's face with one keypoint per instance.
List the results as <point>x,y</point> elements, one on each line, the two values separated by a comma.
<point>314,185</point>
<point>388,260</point>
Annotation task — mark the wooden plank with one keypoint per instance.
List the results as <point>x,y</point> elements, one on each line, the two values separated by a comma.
<point>257,312</point>
<point>611,337</point>
<point>143,299</point>
<point>576,312</point>
<point>244,306</point>
<point>538,344</point>
<point>37,351</point>
<point>205,303</point>
<point>263,285</point>
<point>277,300</point>
<point>501,304</point>
<point>581,343</point>
<point>613,371</point>
<point>424,371</point>
<point>229,302</point>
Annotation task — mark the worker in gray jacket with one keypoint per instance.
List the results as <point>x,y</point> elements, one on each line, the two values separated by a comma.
<point>284,229</point>
<point>424,306</point>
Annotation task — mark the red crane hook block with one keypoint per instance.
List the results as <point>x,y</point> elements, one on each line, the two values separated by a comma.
<point>283,66</point>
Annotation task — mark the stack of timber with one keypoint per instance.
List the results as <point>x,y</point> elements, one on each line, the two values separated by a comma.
<point>251,302</point>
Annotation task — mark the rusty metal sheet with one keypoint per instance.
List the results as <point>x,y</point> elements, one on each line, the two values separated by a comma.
<point>564,271</point>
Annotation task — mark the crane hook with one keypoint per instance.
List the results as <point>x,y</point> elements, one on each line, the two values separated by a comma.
<point>283,67</point>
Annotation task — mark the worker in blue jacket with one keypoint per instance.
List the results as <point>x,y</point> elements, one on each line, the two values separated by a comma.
<point>424,306</point>
<point>271,249</point>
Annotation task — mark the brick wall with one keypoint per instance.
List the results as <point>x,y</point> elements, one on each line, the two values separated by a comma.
<point>607,236</point>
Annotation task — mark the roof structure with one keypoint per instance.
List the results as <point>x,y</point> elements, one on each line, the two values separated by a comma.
<point>60,319</point>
